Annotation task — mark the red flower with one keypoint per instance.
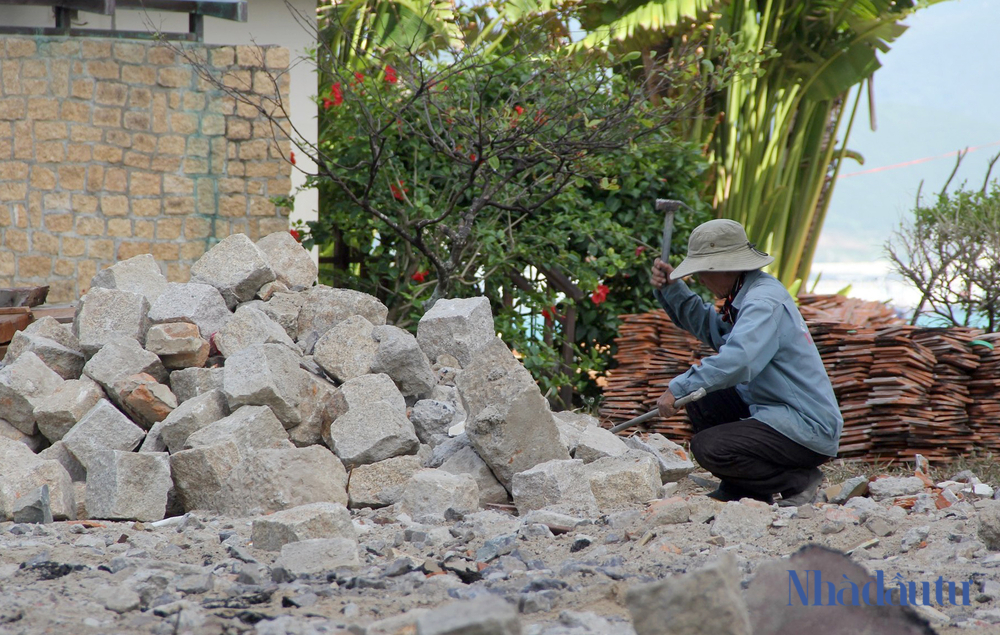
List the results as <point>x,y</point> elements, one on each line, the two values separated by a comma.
<point>390,74</point>
<point>327,103</point>
<point>549,314</point>
<point>640,249</point>
<point>419,276</point>
<point>600,295</point>
<point>519,110</point>
<point>337,94</point>
<point>295,235</point>
<point>291,158</point>
<point>359,77</point>
<point>472,158</point>
<point>397,191</point>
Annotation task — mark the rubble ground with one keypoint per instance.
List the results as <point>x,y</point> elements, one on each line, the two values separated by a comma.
<point>252,452</point>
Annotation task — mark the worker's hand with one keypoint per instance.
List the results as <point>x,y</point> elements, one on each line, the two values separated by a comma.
<point>660,275</point>
<point>665,404</point>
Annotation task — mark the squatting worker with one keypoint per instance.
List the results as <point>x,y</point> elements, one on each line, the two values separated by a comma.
<point>770,417</point>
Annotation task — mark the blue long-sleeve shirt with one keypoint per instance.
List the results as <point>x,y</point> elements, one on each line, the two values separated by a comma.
<point>768,355</point>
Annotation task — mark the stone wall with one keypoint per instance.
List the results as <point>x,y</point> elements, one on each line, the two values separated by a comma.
<point>109,149</point>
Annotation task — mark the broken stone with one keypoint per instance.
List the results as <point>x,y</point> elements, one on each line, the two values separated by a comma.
<point>250,326</point>
<point>236,267</point>
<point>372,432</point>
<point>64,408</point>
<point>431,494</point>
<point>119,360</point>
<point>381,483</point>
<point>178,345</point>
<point>446,448</point>
<point>485,614</point>
<point>509,422</point>
<point>199,304</point>
<point>619,481</point>
<point>191,416</point>
<point>314,558</point>
<point>292,264</point>
<point>318,408</point>
<point>305,522</point>
<point>989,524</point>
<point>571,425</point>
<point>107,315</point>
<point>596,443</point>
<point>22,472</point>
<point>796,615</point>
<point>743,521</point>
<point>890,487</point>
<point>104,427</point>
<point>248,427</point>
<point>33,507</point>
<point>58,452</point>
<point>879,526</point>
<point>673,460</point>
<point>128,486</point>
<point>324,308</point>
<point>843,492</point>
<point>25,384</point>
<point>348,349</point>
<point>399,356</point>
<point>284,309</point>
<point>431,417</point>
<point>188,383</point>
<point>564,484</point>
<point>265,375</point>
<point>704,601</point>
<point>36,441</point>
<point>66,362</point>
<point>369,389</point>
<point>466,461</point>
<point>144,399</point>
<point>668,511</point>
<point>139,274</point>
<point>458,327</point>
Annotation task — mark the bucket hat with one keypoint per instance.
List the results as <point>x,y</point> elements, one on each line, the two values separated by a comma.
<point>720,245</point>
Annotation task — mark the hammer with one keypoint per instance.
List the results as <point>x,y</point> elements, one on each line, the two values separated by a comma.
<point>668,207</point>
<point>683,401</point>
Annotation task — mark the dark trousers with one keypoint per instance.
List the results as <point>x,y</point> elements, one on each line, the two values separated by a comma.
<point>748,456</point>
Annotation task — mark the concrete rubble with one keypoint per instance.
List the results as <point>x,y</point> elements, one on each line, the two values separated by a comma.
<point>252,452</point>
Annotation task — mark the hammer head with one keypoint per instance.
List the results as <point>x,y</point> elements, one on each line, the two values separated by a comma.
<point>667,205</point>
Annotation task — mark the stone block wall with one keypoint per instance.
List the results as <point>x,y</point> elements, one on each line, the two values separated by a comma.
<point>113,148</point>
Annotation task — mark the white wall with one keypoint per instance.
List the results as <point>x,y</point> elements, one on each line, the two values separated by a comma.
<point>270,22</point>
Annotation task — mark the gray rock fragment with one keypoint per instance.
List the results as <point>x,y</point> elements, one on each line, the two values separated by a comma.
<point>399,356</point>
<point>560,484</point>
<point>483,615</point>
<point>199,304</point>
<point>430,494</point>
<point>305,522</point>
<point>188,383</point>
<point>121,359</point>
<point>704,601</point>
<point>370,433</point>
<point>431,417</point>
<point>250,326</point>
<point>740,522</point>
<point>284,309</point>
<point>21,472</point>
<point>178,345</point>
<point>67,362</point>
<point>139,274</point>
<point>24,385</point>
<point>673,460</point>
<point>628,479</point>
<point>64,408</point>
<point>107,315</point>
<point>265,375</point>
<point>989,525</point>
<point>381,483</point>
<point>466,461</point>
<point>128,486</point>
<point>348,349</point>
<point>248,427</point>
<point>58,452</point>
<point>459,327</point>
<point>314,558</point>
<point>324,308</point>
<point>890,487</point>
<point>193,415</point>
<point>596,443</point>
<point>292,265</point>
<point>104,427</point>
<point>33,507</point>
<point>236,267</point>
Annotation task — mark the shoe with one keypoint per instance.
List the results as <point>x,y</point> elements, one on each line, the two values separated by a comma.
<point>807,495</point>
<point>728,493</point>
